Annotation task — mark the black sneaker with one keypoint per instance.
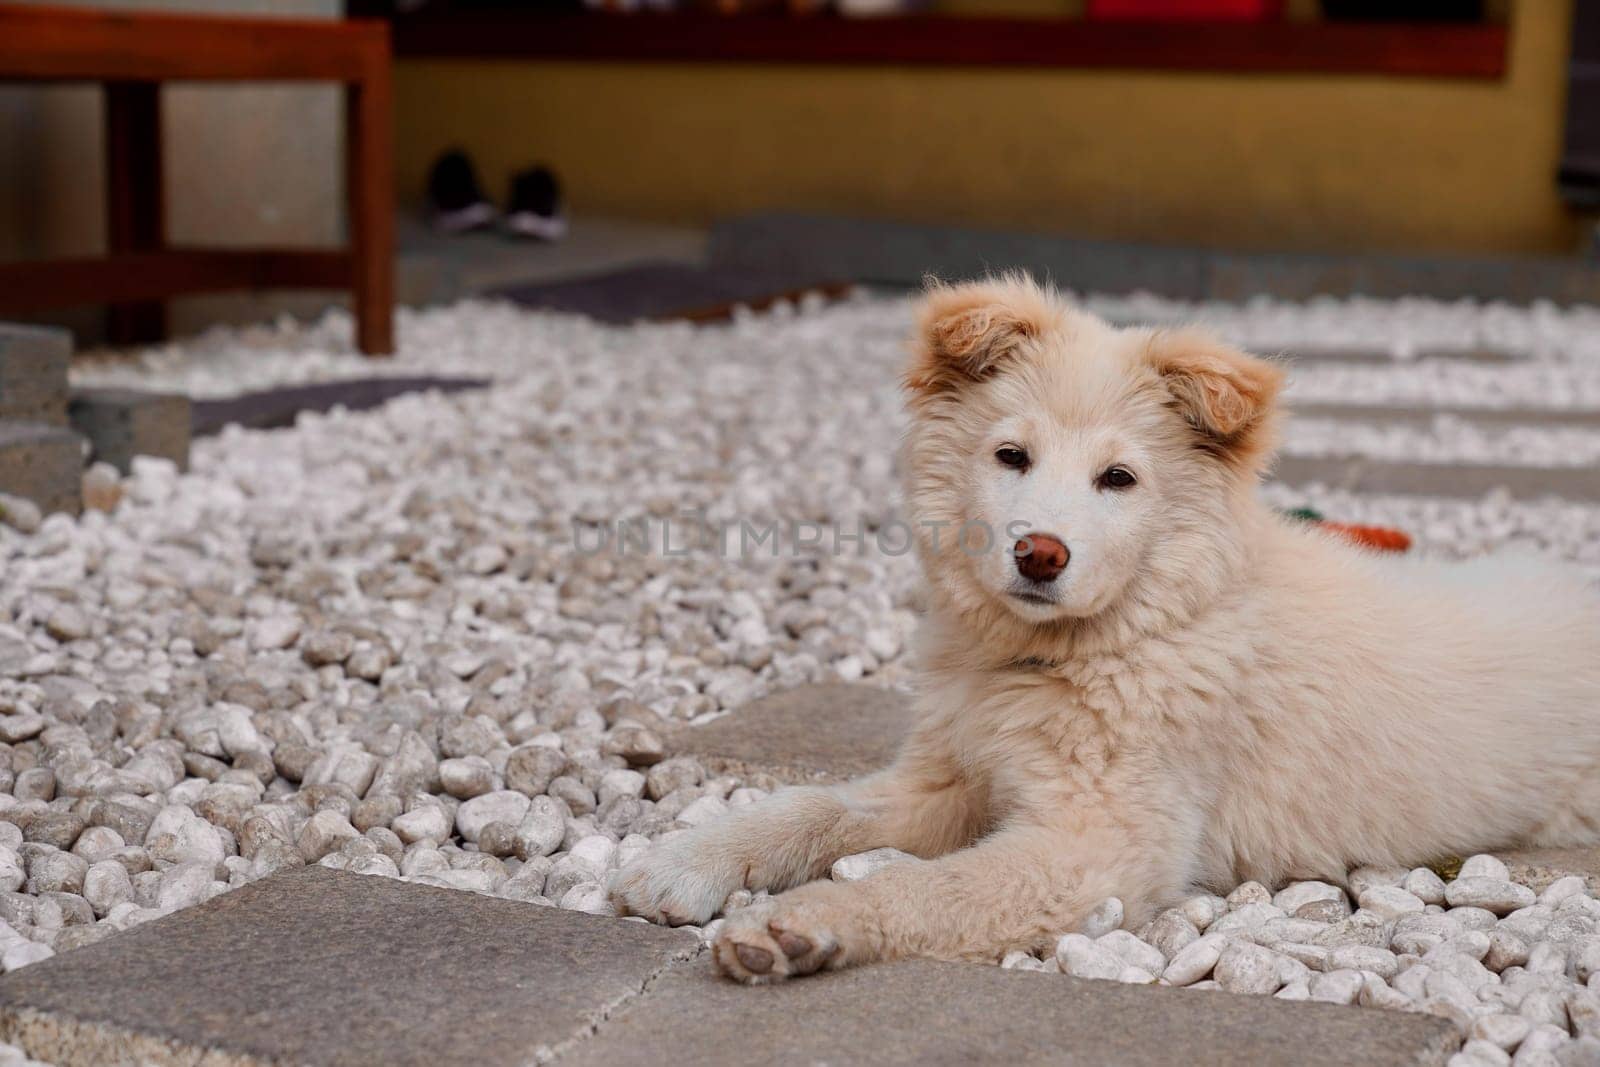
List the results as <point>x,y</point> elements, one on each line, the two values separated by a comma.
<point>456,203</point>
<point>535,208</point>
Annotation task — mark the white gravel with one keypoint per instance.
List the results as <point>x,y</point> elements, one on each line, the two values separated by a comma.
<point>1559,347</point>
<point>1436,383</point>
<point>370,641</point>
<point>1448,439</point>
<point>1517,973</point>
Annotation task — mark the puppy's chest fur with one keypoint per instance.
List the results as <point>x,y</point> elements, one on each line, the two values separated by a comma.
<point>1155,747</point>
<point>1043,737</point>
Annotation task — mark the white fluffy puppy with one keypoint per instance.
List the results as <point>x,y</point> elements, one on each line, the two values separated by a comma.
<point>1173,689</point>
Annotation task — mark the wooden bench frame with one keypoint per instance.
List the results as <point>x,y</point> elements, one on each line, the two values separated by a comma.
<point>1438,50</point>
<point>132,55</point>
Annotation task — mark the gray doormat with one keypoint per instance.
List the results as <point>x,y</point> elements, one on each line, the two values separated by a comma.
<point>278,407</point>
<point>671,291</point>
<point>893,253</point>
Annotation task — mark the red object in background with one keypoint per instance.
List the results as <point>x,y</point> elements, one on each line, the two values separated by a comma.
<point>1260,10</point>
<point>1382,538</point>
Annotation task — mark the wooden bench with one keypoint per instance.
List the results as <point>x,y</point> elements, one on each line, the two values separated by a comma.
<point>132,54</point>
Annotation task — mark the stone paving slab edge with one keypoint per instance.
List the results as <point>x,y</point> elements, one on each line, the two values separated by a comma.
<point>316,966</point>
<point>927,1012</point>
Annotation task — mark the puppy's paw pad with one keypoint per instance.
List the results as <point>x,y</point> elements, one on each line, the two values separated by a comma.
<point>771,942</point>
<point>794,946</point>
<point>753,958</point>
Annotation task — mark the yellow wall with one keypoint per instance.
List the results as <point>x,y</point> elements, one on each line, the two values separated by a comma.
<point>1292,162</point>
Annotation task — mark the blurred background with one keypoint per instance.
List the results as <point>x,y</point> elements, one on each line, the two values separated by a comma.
<point>1196,148</point>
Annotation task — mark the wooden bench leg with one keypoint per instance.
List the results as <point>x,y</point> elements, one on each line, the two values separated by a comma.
<point>369,187</point>
<point>135,202</point>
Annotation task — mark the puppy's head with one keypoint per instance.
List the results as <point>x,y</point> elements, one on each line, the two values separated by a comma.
<point>1057,466</point>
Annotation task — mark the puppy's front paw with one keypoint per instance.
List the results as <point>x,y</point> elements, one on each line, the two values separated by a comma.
<point>675,884</point>
<point>789,935</point>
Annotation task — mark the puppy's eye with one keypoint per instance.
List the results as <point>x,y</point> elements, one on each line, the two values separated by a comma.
<point>1117,478</point>
<point>1013,457</point>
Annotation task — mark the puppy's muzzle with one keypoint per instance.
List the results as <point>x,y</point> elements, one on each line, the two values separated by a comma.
<point>1040,557</point>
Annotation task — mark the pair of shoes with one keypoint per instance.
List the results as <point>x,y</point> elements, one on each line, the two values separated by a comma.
<point>535,207</point>
<point>457,205</point>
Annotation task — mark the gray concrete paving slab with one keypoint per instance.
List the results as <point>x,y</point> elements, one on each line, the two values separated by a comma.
<point>924,1012</point>
<point>810,732</point>
<point>316,966</point>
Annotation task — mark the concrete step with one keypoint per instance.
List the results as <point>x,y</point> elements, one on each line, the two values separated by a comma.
<point>43,463</point>
<point>33,373</point>
<point>123,423</point>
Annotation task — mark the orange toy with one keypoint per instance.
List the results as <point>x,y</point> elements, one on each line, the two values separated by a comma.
<point>1382,538</point>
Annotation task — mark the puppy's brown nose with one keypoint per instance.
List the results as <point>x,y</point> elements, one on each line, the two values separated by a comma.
<point>1041,558</point>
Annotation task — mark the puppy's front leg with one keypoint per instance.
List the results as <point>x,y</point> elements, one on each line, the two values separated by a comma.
<point>920,806</point>
<point>1020,888</point>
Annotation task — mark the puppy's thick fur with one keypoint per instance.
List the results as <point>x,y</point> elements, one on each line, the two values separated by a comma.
<point>1207,693</point>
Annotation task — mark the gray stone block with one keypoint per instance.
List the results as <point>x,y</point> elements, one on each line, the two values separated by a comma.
<point>315,966</point>
<point>808,733</point>
<point>43,463</point>
<point>33,373</point>
<point>1439,479</point>
<point>922,1012</point>
<point>123,423</point>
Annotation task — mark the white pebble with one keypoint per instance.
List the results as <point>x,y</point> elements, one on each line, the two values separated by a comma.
<point>1491,894</point>
<point>1502,1031</point>
<point>1080,957</point>
<point>1296,895</point>
<point>1134,952</point>
<point>1484,865</point>
<point>1425,886</point>
<point>1391,902</point>
<point>1336,987</point>
<point>854,868</point>
<point>1195,960</point>
<point>1571,886</point>
<point>1379,961</point>
<point>1246,968</point>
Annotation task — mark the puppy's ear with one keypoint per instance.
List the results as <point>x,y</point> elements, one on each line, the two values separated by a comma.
<point>964,332</point>
<point>1228,396</point>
